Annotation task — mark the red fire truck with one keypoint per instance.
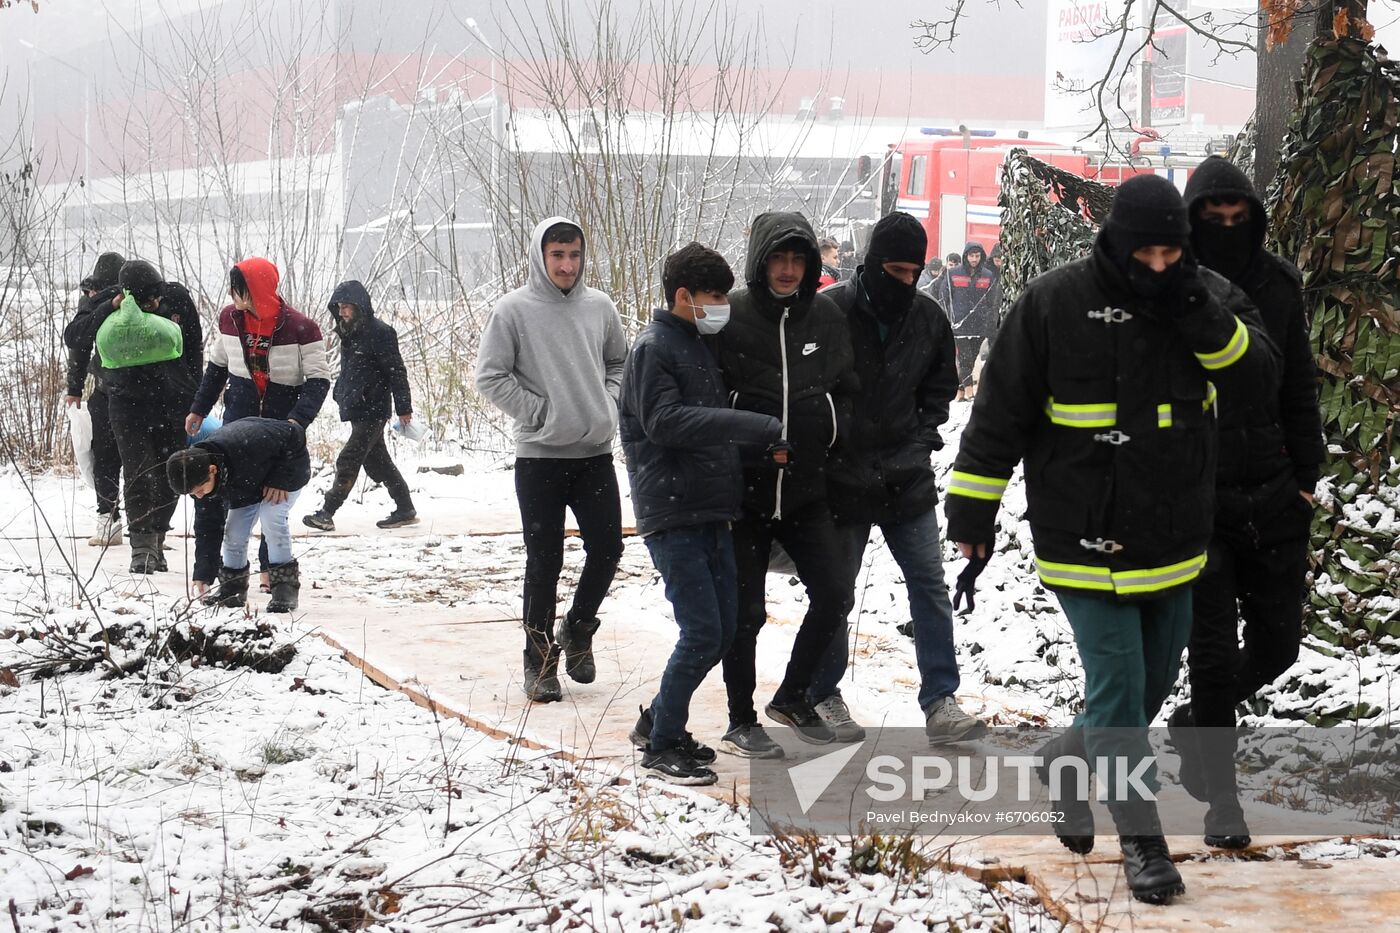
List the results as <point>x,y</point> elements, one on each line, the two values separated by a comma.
<point>950,179</point>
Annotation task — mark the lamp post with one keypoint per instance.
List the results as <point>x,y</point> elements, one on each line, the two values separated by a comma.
<point>87,128</point>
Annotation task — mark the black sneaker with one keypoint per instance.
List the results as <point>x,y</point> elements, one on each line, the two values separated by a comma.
<point>750,740</point>
<point>319,520</point>
<point>803,719</point>
<point>641,738</point>
<point>674,766</point>
<point>398,518</point>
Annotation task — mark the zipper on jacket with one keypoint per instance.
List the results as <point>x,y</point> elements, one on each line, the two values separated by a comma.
<point>782,346</point>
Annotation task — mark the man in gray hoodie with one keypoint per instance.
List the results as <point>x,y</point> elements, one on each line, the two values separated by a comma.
<point>551,358</point>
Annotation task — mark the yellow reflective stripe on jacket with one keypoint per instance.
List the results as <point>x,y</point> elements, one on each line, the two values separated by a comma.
<point>974,486</point>
<point>1164,415</point>
<point>1095,415</point>
<point>1231,353</point>
<point>1124,582</point>
<point>1210,396</point>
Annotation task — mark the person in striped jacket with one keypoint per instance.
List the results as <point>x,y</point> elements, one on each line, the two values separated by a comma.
<point>1102,380</point>
<point>268,360</point>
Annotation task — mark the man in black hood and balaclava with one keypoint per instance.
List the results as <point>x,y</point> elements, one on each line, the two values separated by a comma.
<point>786,352</point>
<point>1271,451</point>
<point>1103,380</point>
<point>98,289</point>
<point>881,475</point>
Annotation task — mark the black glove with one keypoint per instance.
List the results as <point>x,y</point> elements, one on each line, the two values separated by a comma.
<point>779,447</point>
<point>967,580</point>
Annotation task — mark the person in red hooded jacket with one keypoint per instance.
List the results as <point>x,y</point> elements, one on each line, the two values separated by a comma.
<point>269,361</point>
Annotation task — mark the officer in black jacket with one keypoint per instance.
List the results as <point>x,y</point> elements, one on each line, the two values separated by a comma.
<point>787,353</point>
<point>682,442</point>
<point>1103,380</point>
<point>371,373</point>
<point>256,467</point>
<point>880,474</point>
<point>1271,451</point>
<point>98,290</point>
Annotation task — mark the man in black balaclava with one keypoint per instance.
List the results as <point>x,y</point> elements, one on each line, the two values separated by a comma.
<point>1271,450</point>
<point>1102,380</point>
<point>881,475</point>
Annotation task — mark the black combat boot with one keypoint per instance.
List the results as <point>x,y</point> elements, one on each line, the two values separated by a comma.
<point>1076,828</point>
<point>286,586</point>
<point>231,592</point>
<point>1147,863</point>
<point>576,641</point>
<point>542,670</point>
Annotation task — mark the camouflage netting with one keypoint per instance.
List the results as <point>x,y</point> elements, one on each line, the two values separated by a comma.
<point>1040,231</point>
<point>1336,213</point>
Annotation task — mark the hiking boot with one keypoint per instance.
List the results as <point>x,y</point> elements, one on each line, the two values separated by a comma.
<point>674,766</point>
<point>320,519</point>
<point>803,719</point>
<point>542,673</point>
<point>1147,863</point>
<point>286,586</point>
<point>576,641</point>
<point>945,721</point>
<point>1075,830</point>
<point>640,737</point>
<point>751,740</point>
<point>145,552</point>
<point>398,518</point>
<point>232,589</point>
<point>108,533</point>
<point>834,712</point>
<point>1225,825</point>
<point>1181,730</point>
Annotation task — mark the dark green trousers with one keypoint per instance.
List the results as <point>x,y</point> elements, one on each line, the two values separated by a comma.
<point>1131,654</point>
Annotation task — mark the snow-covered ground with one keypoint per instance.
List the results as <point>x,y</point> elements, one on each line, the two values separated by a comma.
<point>202,798</point>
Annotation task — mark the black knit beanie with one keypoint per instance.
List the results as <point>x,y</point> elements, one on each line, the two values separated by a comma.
<point>141,279</point>
<point>104,273</point>
<point>1147,211</point>
<point>897,237</point>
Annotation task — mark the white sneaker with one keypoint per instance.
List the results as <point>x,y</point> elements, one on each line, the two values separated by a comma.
<point>837,715</point>
<point>108,533</point>
<point>945,721</point>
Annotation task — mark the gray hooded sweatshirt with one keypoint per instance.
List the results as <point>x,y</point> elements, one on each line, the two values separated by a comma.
<point>553,363</point>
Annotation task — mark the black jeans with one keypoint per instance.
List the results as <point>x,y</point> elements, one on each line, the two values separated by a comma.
<point>366,448</point>
<point>967,349</point>
<point>146,437</point>
<point>106,459</point>
<point>809,537</point>
<point>545,486</point>
<point>1263,586</point>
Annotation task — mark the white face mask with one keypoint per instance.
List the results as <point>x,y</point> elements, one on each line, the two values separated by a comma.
<point>714,319</point>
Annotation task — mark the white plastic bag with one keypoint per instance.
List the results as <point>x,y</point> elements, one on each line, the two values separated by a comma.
<point>416,430</point>
<point>80,430</point>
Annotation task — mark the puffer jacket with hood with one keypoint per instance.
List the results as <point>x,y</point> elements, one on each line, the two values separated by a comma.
<point>164,389</point>
<point>790,358</point>
<point>257,452</point>
<point>972,297</point>
<point>299,375</point>
<point>553,361</point>
<point>371,367</point>
<point>81,332</point>
<point>1269,448</point>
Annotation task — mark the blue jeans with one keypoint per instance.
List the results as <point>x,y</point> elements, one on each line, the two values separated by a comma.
<point>1131,654</point>
<point>915,547</point>
<point>276,531</point>
<point>697,564</point>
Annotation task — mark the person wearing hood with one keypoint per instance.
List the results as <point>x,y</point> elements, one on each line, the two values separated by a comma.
<point>1271,452</point>
<point>268,361</point>
<point>256,467</point>
<point>1103,380</point>
<point>786,353</point>
<point>98,289</point>
<point>683,446</point>
<point>145,405</point>
<point>971,295</point>
<point>551,358</point>
<point>881,474</point>
<point>371,373</point>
